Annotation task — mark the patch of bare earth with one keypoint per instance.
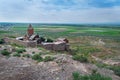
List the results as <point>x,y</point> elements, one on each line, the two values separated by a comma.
<point>61,68</point>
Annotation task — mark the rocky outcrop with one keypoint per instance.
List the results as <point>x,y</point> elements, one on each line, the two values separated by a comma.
<point>61,68</point>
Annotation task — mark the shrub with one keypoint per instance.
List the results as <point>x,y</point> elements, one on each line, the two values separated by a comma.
<point>97,76</point>
<point>20,50</point>
<point>94,76</point>
<point>80,58</point>
<point>27,55</point>
<point>49,40</point>
<point>37,57</point>
<point>17,55</point>
<point>84,49</point>
<point>2,41</point>
<point>76,76</point>
<point>42,39</point>
<point>116,70</point>
<point>101,65</point>
<point>5,53</point>
<point>33,52</point>
<point>48,58</point>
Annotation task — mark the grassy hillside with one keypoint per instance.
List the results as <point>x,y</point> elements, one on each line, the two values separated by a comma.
<point>89,44</point>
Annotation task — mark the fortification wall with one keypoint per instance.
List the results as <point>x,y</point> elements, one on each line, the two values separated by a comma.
<point>50,46</point>
<point>56,47</point>
<point>23,43</point>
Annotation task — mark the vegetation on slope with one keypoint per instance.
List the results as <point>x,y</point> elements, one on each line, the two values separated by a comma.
<point>93,76</point>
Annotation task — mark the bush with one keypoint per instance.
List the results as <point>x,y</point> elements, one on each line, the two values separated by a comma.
<point>33,52</point>
<point>17,55</point>
<point>80,58</point>
<point>2,41</point>
<point>116,70</point>
<point>5,53</point>
<point>94,76</point>
<point>37,57</point>
<point>42,39</point>
<point>101,65</point>
<point>27,55</point>
<point>49,40</point>
<point>76,76</point>
<point>48,58</point>
<point>20,50</point>
<point>84,49</point>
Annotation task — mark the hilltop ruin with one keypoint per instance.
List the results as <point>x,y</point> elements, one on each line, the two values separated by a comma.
<point>30,39</point>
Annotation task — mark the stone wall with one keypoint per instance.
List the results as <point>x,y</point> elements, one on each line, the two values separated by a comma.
<point>56,46</point>
<point>23,43</point>
<point>48,46</point>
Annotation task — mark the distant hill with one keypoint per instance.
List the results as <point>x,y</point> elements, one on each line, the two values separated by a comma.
<point>8,25</point>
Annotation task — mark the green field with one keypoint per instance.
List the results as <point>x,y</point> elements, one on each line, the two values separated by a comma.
<point>85,41</point>
<point>71,31</point>
<point>80,37</point>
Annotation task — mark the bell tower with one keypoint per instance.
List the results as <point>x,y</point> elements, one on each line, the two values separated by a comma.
<point>30,30</point>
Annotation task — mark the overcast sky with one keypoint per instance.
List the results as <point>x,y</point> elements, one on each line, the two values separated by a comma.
<point>60,11</point>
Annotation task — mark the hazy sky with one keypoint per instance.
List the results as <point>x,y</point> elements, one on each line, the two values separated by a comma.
<point>60,11</point>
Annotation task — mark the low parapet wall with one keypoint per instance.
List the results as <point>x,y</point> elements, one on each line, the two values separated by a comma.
<point>23,43</point>
<point>56,46</point>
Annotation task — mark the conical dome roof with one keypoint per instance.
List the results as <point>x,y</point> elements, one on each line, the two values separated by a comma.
<point>30,30</point>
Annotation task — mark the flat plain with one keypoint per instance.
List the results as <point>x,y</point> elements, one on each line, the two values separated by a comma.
<point>98,44</point>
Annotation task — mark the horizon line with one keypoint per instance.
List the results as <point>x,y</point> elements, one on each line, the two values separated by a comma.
<point>62,23</point>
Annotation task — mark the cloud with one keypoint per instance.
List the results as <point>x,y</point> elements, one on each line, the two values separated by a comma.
<point>104,3</point>
<point>60,11</point>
